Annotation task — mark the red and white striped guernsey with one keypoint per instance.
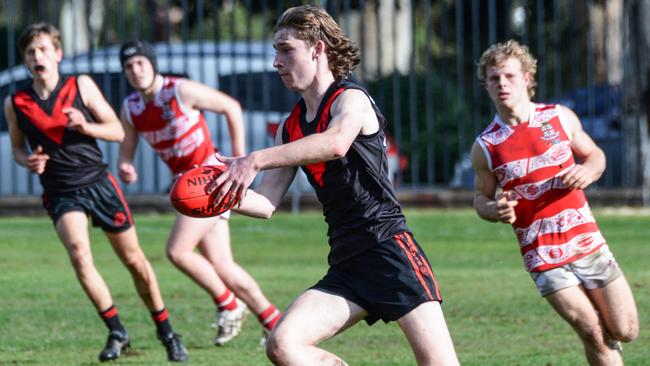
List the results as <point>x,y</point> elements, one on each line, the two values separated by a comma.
<point>181,138</point>
<point>554,224</point>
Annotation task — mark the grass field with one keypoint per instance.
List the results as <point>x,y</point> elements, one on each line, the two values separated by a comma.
<point>492,308</point>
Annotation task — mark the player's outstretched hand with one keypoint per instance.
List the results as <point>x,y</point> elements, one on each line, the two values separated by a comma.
<point>505,205</point>
<point>235,180</point>
<point>578,177</point>
<point>36,160</point>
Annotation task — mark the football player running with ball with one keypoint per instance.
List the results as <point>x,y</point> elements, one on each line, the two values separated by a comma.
<point>166,112</point>
<point>527,153</point>
<point>61,118</point>
<point>336,135</point>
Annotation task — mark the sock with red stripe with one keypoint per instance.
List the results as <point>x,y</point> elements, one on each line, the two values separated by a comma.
<point>161,318</point>
<point>112,319</point>
<point>226,301</point>
<point>269,317</point>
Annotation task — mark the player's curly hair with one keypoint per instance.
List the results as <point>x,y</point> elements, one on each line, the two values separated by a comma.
<point>36,30</point>
<point>500,52</point>
<point>313,24</point>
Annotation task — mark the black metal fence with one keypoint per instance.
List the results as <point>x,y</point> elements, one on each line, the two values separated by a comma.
<point>418,61</point>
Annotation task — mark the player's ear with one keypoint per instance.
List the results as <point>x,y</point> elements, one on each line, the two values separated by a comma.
<point>319,48</point>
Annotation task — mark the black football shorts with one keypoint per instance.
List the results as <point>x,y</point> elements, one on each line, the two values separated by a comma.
<point>388,280</point>
<point>103,201</point>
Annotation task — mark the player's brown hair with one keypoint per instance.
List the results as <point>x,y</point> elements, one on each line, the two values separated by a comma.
<point>500,52</point>
<point>313,24</point>
<point>34,31</point>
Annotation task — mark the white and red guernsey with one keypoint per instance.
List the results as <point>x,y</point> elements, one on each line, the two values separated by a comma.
<point>181,138</point>
<point>554,224</point>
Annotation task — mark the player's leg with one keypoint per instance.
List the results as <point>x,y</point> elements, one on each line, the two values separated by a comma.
<point>216,247</point>
<point>609,291</point>
<point>313,317</point>
<point>573,304</point>
<point>616,306</point>
<point>427,333</point>
<point>186,234</point>
<point>127,247</point>
<point>72,229</point>
<point>110,211</point>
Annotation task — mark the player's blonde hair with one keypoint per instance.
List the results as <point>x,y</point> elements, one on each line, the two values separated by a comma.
<point>500,52</point>
<point>313,24</point>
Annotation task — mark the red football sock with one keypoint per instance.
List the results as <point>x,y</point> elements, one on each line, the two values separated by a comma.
<point>226,301</point>
<point>269,317</point>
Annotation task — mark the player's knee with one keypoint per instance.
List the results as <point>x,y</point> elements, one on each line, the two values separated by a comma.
<point>272,350</point>
<point>136,263</point>
<point>626,332</point>
<point>590,331</point>
<point>174,255</point>
<point>81,259</point>
<point>277,350</point>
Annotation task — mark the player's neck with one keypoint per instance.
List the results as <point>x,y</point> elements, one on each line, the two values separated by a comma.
<point>150,92</point>
<point>314,94</point>
<point>44,87</point>
<point>513,116</point>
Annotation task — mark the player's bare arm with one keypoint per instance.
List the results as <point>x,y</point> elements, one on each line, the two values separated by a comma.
<point>107,126</point>
<point>350,117</point>
<point>592,158</point>
<point>36,160</point>
<point>126,168</point>
<point>263,201</point>
<point>486,203</point>
<point>202,97</point>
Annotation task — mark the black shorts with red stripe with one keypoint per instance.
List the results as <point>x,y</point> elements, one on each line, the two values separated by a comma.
<point>388,280</point>
<point>103,201</point>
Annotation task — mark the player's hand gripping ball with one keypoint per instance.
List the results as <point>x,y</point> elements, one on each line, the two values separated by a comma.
<point>190,195</point>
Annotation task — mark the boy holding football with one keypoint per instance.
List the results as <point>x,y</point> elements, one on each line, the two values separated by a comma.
<point>336,135</point>
<point>526,176</point>
<point>167,112</point>
<point>61,118</point>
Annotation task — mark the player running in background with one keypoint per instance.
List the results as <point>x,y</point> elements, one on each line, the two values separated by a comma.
<point>167,112</point>
<point>336,135</point>
<point>527,153</point>
<point>61,118</point>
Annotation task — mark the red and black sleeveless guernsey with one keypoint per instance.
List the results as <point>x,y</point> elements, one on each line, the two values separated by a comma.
<point>181,138</point>
<point>75,159</point>
<point>359,203</point>
<point>554,224</point>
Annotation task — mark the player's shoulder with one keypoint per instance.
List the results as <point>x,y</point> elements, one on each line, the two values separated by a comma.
<point>492,127</point>
<point>187,88</point>
<point>86,86</point>
<point>83,80</point>
<point>352,98</point>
